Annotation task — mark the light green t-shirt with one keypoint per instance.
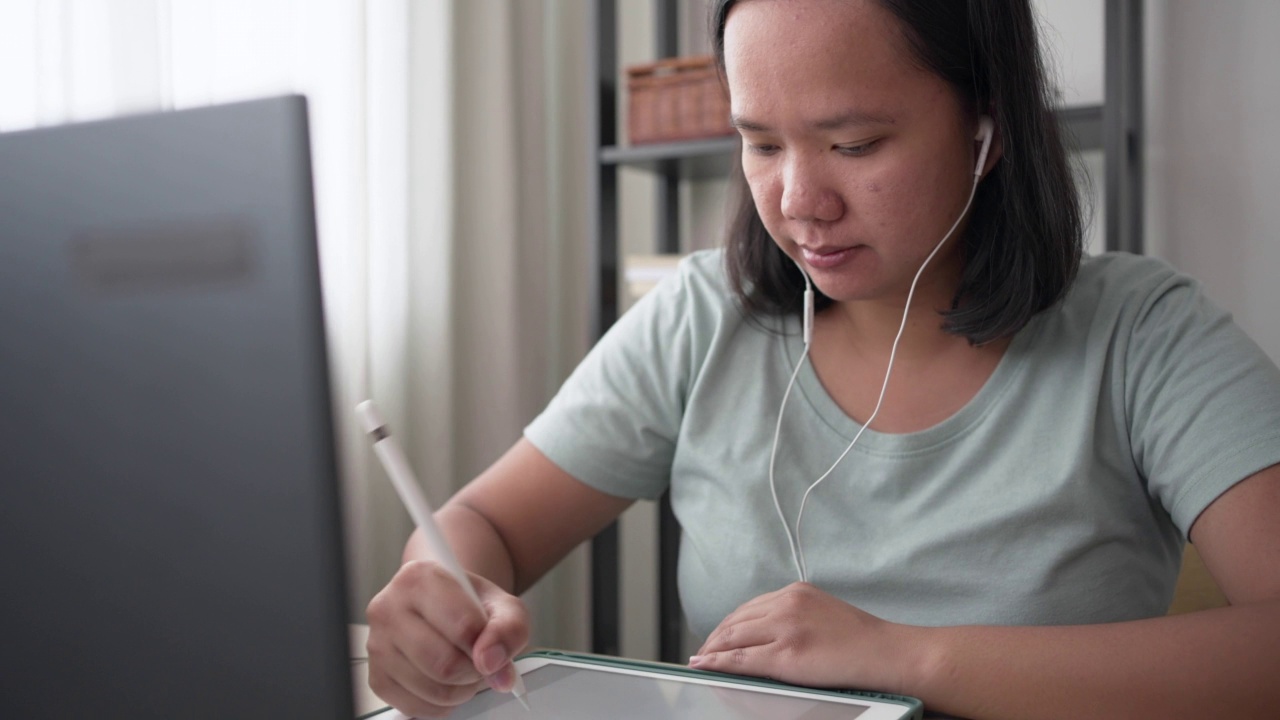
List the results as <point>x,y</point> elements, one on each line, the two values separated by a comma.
<point>1060,494</point>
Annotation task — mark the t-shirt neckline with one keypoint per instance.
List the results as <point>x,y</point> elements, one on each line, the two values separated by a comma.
<point>817,399</point>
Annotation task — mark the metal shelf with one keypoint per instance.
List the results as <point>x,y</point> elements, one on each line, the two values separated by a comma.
<point>689,159</point>
<point>1083,127</point>
<point>713,157</point>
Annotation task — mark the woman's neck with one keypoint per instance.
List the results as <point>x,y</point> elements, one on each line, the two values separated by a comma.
<point>870,326</point>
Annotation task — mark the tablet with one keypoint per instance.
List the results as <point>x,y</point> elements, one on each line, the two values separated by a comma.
<point>581,687</point>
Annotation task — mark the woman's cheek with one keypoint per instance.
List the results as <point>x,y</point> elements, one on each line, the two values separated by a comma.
<point>894,200</point>
<point>768,199</point>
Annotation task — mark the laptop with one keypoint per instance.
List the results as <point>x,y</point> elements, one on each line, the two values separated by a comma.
<point>170,537</point>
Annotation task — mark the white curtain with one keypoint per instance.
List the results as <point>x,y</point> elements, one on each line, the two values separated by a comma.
<point>450,247</point>
<point>519,259</point>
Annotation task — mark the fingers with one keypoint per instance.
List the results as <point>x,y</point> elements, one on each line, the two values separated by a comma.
<point>416,670</point>
<point>754,609</point>
<point>753,647</point>
<point>503,637</point>
<point>490,636</point>
<point>429,654</point>
<point>743,634</point>
<point>396,680</point>
<point>801,634</point>
<point>436,597</point>
<point>427,637</point>
<point>724,633</point>
<point>395,695</point>
<point>763,634</point>
<point>753,660</point>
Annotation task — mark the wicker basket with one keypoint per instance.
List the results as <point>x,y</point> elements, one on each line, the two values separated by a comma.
<point>676,99</point>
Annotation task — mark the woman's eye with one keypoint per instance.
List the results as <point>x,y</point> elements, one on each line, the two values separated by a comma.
<point>857,150</point>
<point>762,149</point>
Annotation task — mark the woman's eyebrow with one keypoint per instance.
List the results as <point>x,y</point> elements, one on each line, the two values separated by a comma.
<point>836,122</point>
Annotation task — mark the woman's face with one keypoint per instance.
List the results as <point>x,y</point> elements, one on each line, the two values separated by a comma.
<point>857,158</point>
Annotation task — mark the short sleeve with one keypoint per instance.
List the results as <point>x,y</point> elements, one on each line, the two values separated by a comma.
<point>613,425</point>
<point>1203,399</point>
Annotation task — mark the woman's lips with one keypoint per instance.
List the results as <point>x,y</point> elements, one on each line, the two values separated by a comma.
<point>826,259</point>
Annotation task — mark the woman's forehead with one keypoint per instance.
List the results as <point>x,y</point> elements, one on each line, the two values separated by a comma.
<point>821,54</point>
<point>832,30</point>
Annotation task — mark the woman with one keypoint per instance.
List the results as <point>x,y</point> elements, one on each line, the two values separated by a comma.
<point>1044,434</point>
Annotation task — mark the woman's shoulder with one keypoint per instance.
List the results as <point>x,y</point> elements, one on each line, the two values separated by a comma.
<point>698,285</point>
<point>1124,285</point>
<point>1122,273</point>
<point>1116,295</point>
<point>704,270</point>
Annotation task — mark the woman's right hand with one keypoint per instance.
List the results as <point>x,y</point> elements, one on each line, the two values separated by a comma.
<point>430,649</point>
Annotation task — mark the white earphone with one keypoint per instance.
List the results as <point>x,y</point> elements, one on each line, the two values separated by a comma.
<point>986,131</point>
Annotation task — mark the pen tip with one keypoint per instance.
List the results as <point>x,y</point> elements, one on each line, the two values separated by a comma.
<point>521,693</point>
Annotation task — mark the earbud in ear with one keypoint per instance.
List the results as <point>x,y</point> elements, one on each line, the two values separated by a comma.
<point>986,130</point>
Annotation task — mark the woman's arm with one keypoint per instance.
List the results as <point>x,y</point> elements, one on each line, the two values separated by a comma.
<point>1216,663</point>
<point>519,518</point>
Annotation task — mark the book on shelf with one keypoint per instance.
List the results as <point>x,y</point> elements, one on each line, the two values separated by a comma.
<point>641,273</point>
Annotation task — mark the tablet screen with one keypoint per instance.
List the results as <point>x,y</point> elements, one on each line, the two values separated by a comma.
<point>574,693</point>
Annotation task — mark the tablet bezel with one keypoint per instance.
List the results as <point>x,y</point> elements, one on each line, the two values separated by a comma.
<point>876,709</point>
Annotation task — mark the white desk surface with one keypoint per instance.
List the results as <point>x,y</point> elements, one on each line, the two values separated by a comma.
<point>366,701</point>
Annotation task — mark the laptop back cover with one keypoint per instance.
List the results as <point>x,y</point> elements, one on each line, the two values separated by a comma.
<point>170,539</point>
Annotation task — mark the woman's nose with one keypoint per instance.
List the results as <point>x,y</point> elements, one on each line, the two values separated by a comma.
<point>807,195</point>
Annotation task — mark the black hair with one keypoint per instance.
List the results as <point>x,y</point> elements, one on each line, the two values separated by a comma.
<point>1023,244</point>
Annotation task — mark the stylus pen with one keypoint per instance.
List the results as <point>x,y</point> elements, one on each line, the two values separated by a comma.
<point>397,467</point>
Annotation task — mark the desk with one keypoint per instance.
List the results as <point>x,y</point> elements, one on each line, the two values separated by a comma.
<point>366,702</point>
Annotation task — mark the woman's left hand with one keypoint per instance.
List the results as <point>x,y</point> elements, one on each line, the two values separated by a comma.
<point>802,635</point>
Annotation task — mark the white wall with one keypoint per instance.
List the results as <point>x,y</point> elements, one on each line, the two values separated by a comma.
<point>1213,171</point>
<point>1072,33</point>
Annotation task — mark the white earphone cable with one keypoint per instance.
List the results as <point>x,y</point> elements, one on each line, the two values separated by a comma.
<point>795,558</point>
<point>797,547</point>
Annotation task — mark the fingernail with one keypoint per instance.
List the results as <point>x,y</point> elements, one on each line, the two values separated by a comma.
<point>695,660</point>
<point>502,680</point>
<point>492,660</point>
